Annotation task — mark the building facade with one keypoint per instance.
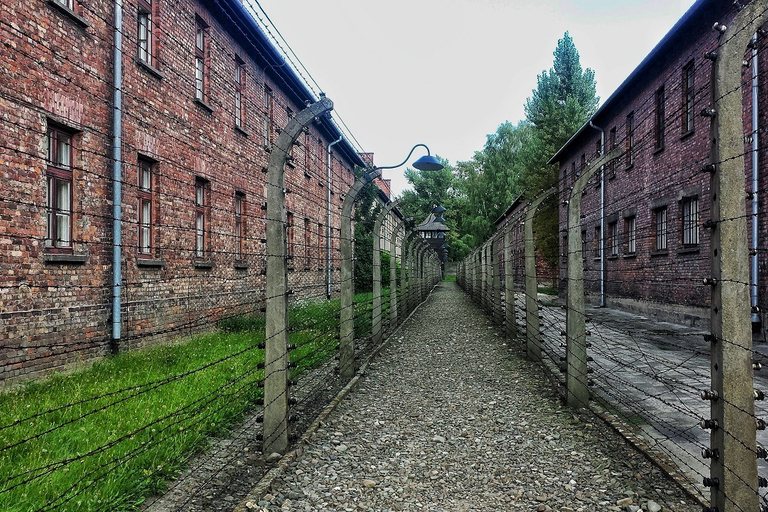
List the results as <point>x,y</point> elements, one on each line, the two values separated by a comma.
<point>644,234</point>
<point>203,97</point>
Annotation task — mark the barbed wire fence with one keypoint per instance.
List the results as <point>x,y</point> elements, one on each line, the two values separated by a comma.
<point>108,435</point>
<point>686,395</point>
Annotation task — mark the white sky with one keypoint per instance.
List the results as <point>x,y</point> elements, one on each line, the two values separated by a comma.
<point>448,72</point>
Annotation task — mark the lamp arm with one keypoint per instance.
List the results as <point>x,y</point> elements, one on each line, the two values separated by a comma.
<point>406,158</point>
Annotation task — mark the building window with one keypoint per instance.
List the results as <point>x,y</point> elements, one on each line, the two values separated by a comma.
<point>660,217</point>
<point>320,245</point>
<point>564,247</point>
<point>202,187</point>
<point>289,234</point>
<point>613,238</point>
<point>598,246</point>
<point>307,244</point>
<point>612,146</point>
<point>268,115</point>
<point>69,4</point>
<point>690,207</point>
<point>239,225</point>
<point>688,93</point>
<point>584,244</point>
<point>146,36</point>
<point>201,51</point>
<point>630,141</point>
<point>145,207</point>
<point>629,229</point>
<point>659,119</point>
<point>58,234</point>
<point>239,92</point>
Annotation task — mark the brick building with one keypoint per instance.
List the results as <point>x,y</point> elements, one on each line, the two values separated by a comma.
<point>204,96</point>
<point>645,241</point>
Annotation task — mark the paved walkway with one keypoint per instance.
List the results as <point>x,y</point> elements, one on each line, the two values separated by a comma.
<point>450,418</point>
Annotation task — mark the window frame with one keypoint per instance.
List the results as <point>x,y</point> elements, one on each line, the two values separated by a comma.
<point>613,238</point>
<point>661,229</point>
<point>658,119</point>
<point>630,140</point>
<point>688,96</point>
<point>144,195</point>
<point>268,120</point>
<point>240,227</point>
<point>690,232</point>
<point>202,217</point>
<point>239,79</point>
<point>201,59</point>
<point>146,45</point>
<point>630,229</point>
<point>59,171</point>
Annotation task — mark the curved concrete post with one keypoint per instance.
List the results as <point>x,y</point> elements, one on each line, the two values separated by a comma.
<point>376,319</point>
<point>532,327</point>
<point>276,426</point>
<point>731,350</point>
<point>347,310</point>
<point>393,317</point>
<point>577,392</point>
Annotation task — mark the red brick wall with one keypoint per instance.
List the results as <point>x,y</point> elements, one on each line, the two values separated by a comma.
<point>56,69</point>
<point>658,177</point>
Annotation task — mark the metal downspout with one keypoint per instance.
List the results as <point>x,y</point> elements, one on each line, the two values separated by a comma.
<point>602,216</point>
<point>117,178</point>
<point>328,244</point>
<point>755,185</point>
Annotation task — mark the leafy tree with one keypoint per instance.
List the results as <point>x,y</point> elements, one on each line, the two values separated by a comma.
<point>564,100</point>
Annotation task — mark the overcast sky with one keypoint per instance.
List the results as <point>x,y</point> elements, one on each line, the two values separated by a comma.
<point>448,72</point>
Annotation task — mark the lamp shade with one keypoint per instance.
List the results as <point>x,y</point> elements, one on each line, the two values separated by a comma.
<point>438,209</point>
<point>428,163</point>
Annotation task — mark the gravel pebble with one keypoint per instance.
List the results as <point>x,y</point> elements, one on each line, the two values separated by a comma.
<point>450,418</point>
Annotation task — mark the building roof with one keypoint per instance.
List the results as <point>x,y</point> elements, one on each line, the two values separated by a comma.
<point>238,21</point>
<point>701,16</point>
<point>429,224</point>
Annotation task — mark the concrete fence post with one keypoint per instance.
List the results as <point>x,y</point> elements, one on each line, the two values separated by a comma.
<point>532,326</point>
<point>376,317</point>
<point>347,297</point>
<point>510,324</point>
<point>276,357</point>
<point>498,307</point>
<point>734,477</point>
<point>393,318</point>
<point>577,392</point>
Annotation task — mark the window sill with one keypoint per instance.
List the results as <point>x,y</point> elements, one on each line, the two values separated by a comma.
<point>689,250</point>
<point>629,167</point>
<point>630,255</point>
<point>665,252</point>
<point>613,257</point>
<point>149,262</point>
<point>149,68</point>
<point>658,150</point>
<point>204,105</point>
<point>79,20</point>
<point>242,131</point>
<point>686,135</point>
<point>65,258</point>
<point>241,266</point>
<point>203,265</point>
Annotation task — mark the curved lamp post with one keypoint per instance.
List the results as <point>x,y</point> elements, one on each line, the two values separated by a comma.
<point>347,335</point>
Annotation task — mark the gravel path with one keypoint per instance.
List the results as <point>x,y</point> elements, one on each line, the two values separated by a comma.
<point>448,418</point>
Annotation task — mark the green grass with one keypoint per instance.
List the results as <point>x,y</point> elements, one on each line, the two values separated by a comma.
<point>108,437</point>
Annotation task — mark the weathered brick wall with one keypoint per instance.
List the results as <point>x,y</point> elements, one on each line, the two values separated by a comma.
<point>57,68</point>
<point>656,178</point>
